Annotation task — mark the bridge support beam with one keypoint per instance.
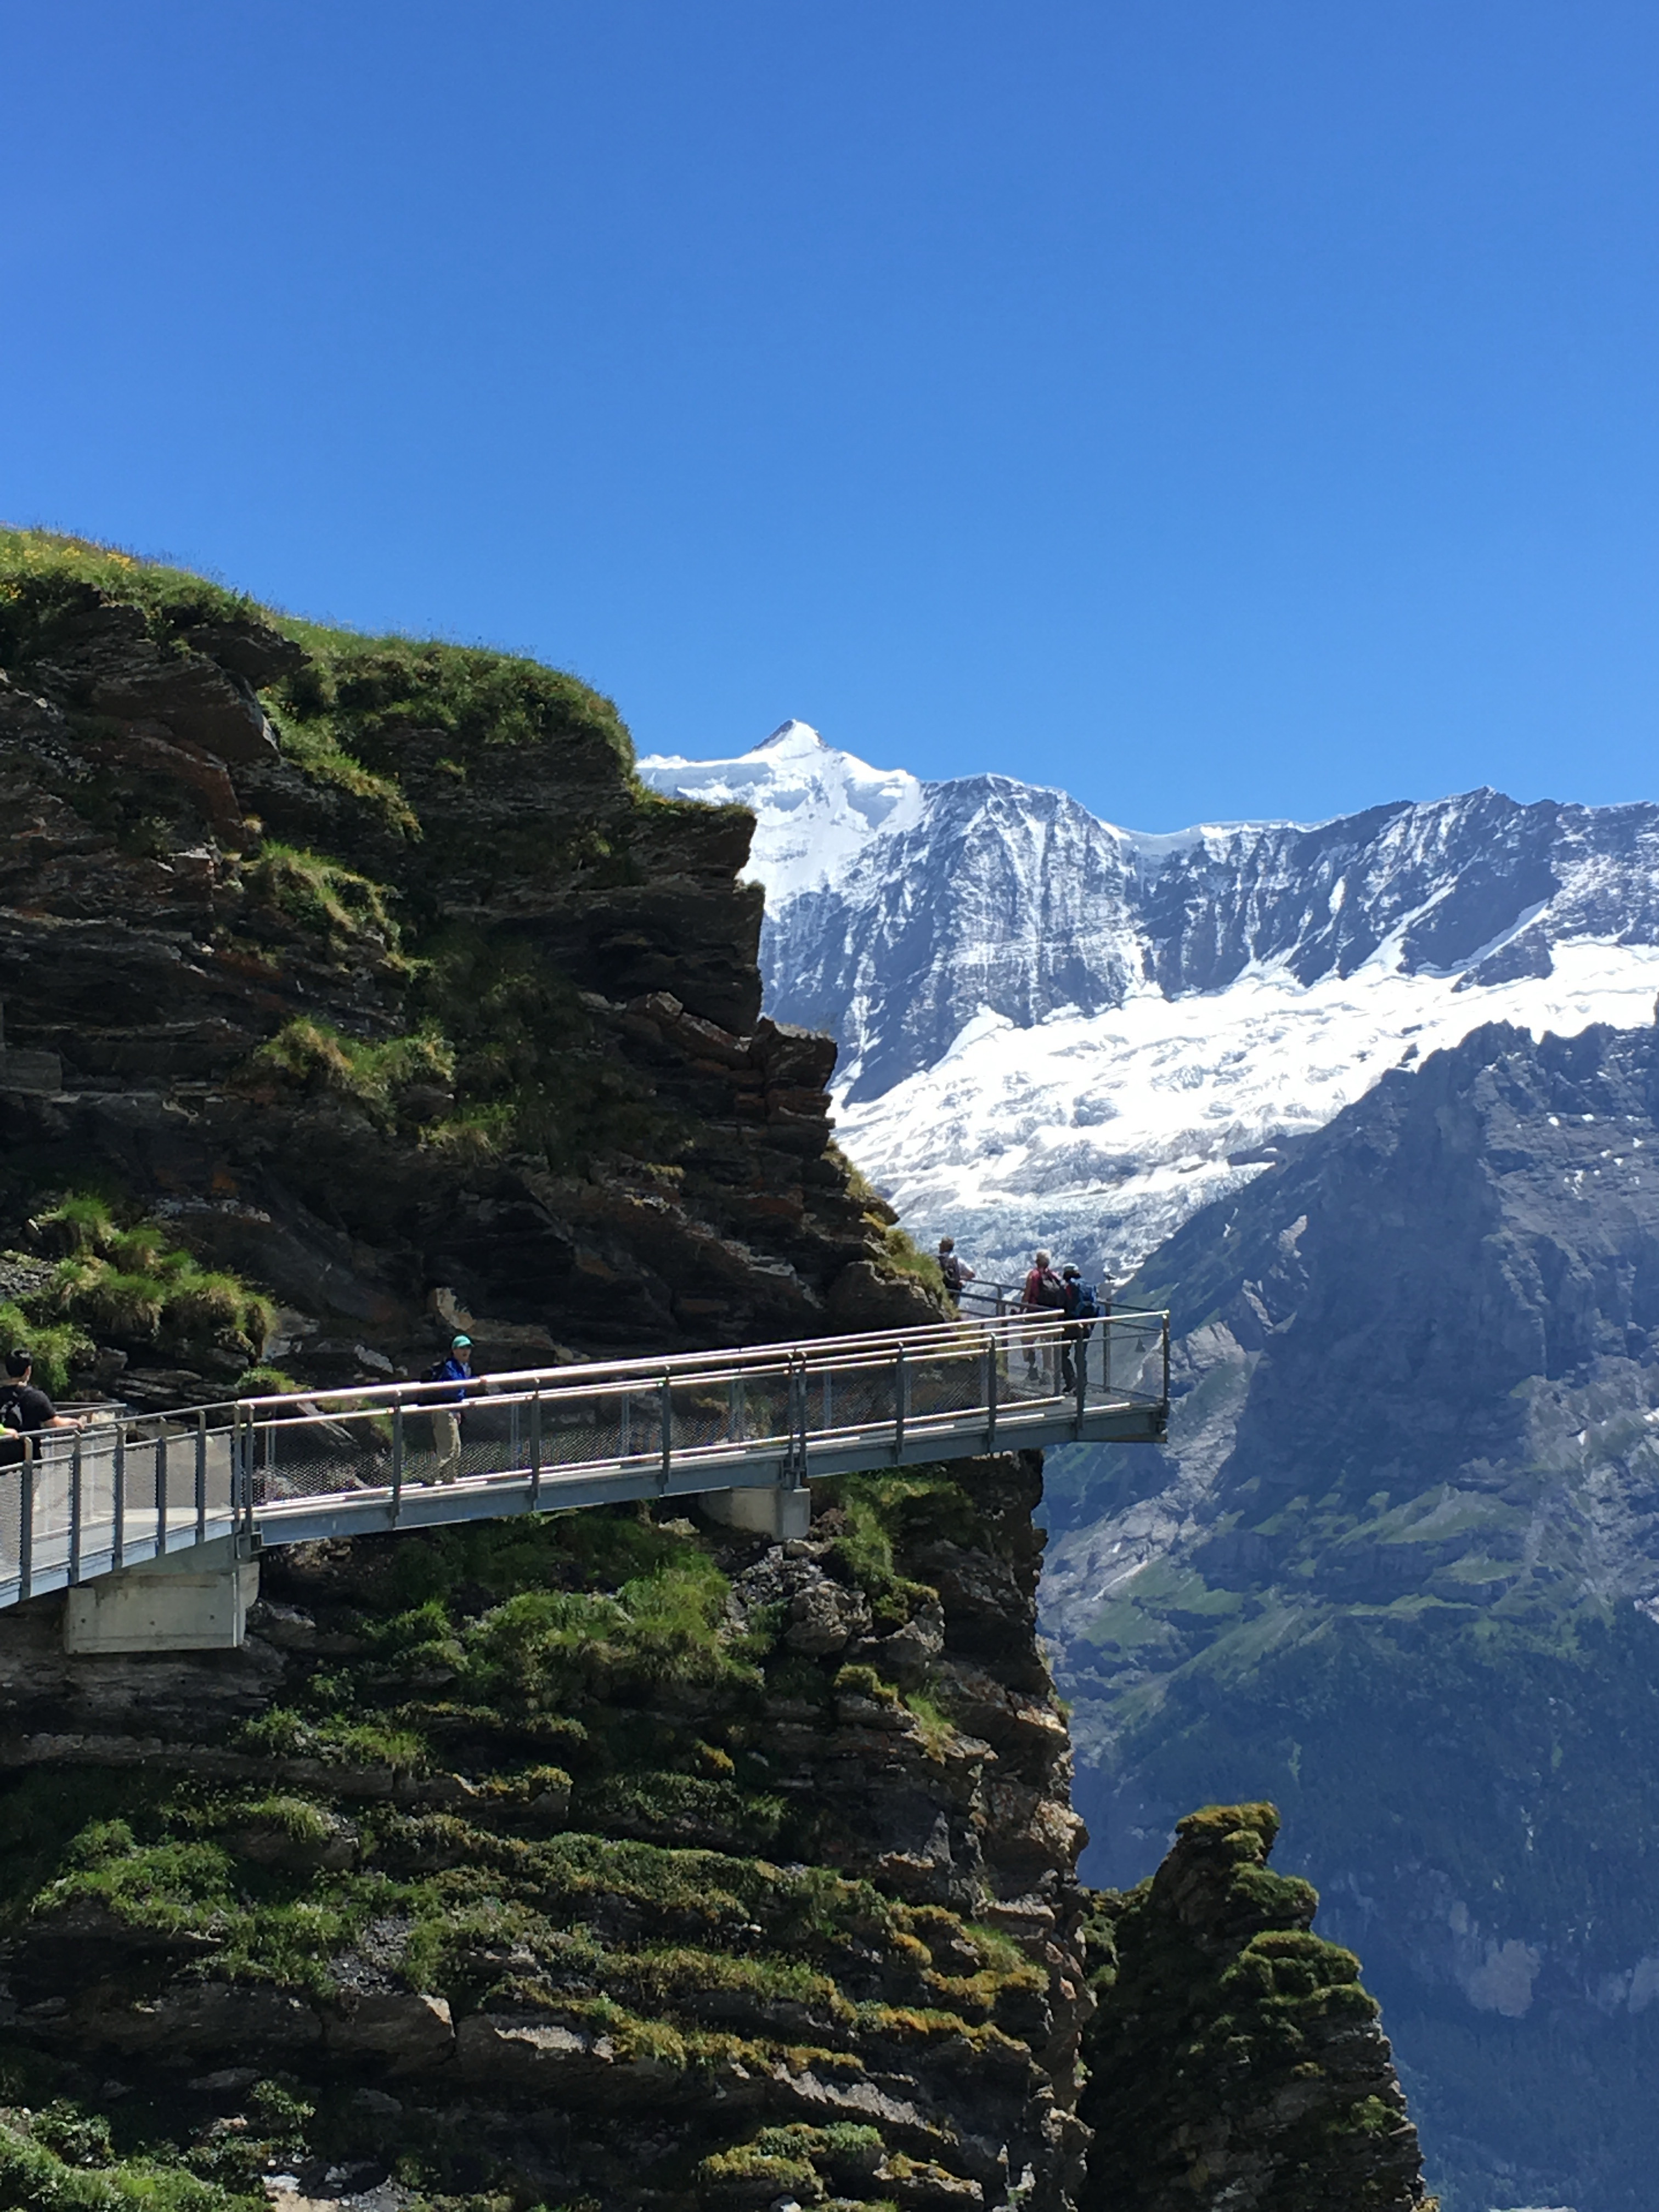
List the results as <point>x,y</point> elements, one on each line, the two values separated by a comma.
<point>774,1512</point>
<point>192,1601</point>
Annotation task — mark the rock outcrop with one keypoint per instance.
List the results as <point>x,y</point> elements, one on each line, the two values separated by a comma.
<point>1235,2060</point>
<point>373,967</point>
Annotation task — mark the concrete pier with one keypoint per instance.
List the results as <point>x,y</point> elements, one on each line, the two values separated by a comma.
<point>192,1601</point>
<point>774,1512</point>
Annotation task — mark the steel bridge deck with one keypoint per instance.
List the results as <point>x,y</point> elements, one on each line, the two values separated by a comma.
<point>291,1469</point>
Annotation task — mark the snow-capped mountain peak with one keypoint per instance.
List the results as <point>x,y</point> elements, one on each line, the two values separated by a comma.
<point>1052,1029</point>
<point>814,806</point>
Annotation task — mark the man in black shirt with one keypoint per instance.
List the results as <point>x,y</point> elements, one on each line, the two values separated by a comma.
<point>23,1406</point>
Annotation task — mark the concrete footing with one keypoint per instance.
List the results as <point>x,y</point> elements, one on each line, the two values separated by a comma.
<point>772,1512</point>
<point>192,1600</point>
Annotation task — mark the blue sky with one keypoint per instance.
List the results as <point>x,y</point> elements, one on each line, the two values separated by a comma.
<point>1217,410</point>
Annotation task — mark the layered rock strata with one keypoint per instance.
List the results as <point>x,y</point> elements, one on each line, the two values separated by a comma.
<point>373,968</point>
<point>593,1862</point>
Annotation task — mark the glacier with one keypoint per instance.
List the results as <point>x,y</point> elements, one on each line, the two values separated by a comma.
<point>1054,1030</point>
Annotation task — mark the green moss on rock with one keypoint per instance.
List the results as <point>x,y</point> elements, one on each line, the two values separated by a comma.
<point>1235,2060</point>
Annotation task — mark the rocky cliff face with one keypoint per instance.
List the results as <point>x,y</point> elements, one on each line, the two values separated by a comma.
<point>373,967</point>
<point>353,987</point>
<point>1399,1566</point>
<point>592,1862</point>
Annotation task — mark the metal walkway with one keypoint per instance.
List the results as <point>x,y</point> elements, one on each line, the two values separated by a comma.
<point>286,1470</point>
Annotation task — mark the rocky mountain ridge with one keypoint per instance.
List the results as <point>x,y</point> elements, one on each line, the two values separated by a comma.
<point>1055,1030</point>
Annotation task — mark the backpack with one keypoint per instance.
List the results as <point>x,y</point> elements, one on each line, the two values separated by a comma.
<point>1083,1303</point>
<point>435,1372</point>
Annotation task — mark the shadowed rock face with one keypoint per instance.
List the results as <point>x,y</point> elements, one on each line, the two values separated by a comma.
<point>1234,2059</point>
<point>372,964</point>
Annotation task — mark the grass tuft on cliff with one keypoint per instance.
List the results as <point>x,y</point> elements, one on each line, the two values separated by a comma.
<point>115,1279</point>
<point>42,571</point>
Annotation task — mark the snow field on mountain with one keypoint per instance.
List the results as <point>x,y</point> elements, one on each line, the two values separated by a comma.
<point>1057,1032</point>
<point>1099,1135</point>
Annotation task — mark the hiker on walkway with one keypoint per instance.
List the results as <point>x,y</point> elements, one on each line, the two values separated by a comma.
<point>1044,1294</point>
<point>457,1369</point>
<point>955,1271</point>
<point>23,1406</point>
<point>1083,1307</point>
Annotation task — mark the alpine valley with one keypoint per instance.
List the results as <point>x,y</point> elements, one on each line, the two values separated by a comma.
<point>1373,1105</point>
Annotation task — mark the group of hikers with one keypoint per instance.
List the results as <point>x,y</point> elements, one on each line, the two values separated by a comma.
<point>1062,1294</point>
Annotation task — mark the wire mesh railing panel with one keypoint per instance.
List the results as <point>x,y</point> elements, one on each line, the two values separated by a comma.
<point>1126,1359</point>
<point>52,1496</point>
<point>851,1396</point>
<point>948,1382</point>
<point>14,1487</point>
<point>759,1409</point>
<point>346,1451</point>
<point>180,1448</point>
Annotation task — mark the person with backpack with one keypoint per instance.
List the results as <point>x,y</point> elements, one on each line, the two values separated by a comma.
<point>24,1408</point>
<point>1044,1294</point>
<point>447,1417</point>
<point>955,1271</point>
<point>1082,1307</point>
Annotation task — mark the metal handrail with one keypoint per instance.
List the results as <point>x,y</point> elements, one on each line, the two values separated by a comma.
<point>281,1465</point>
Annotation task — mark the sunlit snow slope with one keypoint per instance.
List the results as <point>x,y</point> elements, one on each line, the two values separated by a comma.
<point>1055,1031</point>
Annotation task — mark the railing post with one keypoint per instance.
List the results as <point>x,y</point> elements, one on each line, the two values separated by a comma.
<point>901,1402</point>
<point>802,1416</point>
<point>1166,1363</point>
<point>397,1460</point>
<point>118,1479</point>
<point>75,1509</point>
<point>991,1354</point>
<point>161,1492</point>
<point>667,1398</point>
<point>26,1521</point>
<point>201,1476</point>
<point>626,1437</point>
<point>536,1448</point>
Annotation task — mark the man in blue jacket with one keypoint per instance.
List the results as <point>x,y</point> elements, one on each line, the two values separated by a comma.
<point>446,1423</point>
